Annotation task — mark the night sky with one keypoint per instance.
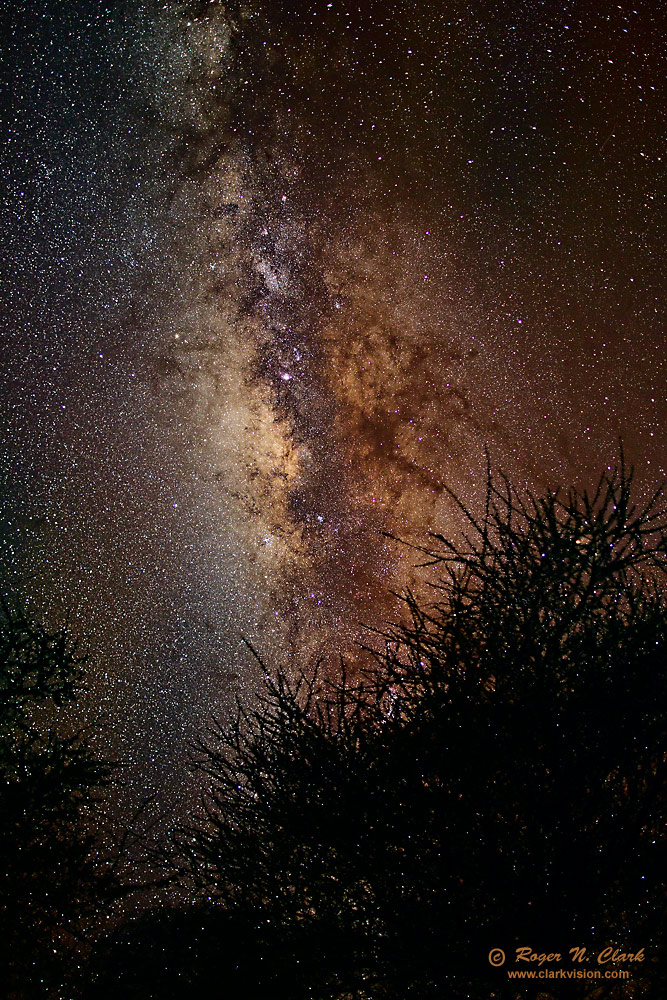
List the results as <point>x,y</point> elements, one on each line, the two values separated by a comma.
<point>274,275</point>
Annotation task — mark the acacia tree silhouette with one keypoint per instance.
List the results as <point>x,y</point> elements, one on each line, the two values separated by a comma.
<point>494,780</point>
<point>54,881</point>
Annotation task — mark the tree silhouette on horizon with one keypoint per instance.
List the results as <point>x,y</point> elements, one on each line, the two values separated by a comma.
<point>495,779</point>
<point>54,881</point>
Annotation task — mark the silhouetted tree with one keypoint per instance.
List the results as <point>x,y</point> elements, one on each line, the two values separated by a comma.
<point>53,881</point>
<point>495,780</point>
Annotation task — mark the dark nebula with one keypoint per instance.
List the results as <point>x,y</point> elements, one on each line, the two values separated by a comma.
<point>273,277</point>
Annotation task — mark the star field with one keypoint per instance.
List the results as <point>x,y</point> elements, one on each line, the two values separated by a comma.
<point>273,278</point>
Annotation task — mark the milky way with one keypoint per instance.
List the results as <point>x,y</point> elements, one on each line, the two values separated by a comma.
<point>274,279</point>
